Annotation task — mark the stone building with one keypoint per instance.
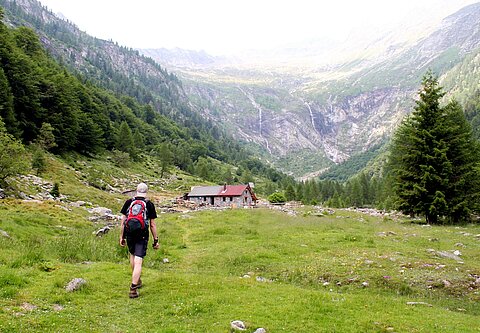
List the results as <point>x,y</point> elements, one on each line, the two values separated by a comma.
<point>221,196</point>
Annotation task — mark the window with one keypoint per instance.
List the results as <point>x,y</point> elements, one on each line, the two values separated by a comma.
<point>231,198</point>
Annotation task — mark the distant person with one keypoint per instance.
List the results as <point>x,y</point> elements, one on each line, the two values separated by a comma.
<point>138,214</point>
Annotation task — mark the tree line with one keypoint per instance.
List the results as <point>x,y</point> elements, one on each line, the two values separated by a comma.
<point>431,168</point>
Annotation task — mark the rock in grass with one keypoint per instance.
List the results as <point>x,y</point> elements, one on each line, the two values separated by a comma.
<point>260,330</point>
<point>238,325</point>
<point>75,284</point>
<point>102,231</point>
<point>4,234</point>
<point>419,303</point>
<point>449,255</point>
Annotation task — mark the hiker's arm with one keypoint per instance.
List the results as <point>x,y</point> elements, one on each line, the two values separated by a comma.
<point>153,229</point>
<point>122,229</point>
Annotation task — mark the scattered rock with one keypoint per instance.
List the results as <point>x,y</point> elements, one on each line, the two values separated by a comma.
<point>32,201</point>
<point>457,253</point>
<point>449,255</point>
<point>386,233</point>
<point>100,211</point>
<point>75,284</point>
<point>460,245</point>
<point>246,276</point>
<point>365,284</point>
<point>238,325</point>
<point>419,303</point>
<point>166,260</point>
<point>447,283</point>
<point>260,330</point>
<point>4,234</point>
<point>64,208</point>
<point>102,231</point>
<point>28,307</point>
<point>57,307</point>
<point>2,193</point>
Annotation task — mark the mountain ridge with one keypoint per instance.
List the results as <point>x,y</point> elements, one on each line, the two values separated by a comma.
<point>335,111</point>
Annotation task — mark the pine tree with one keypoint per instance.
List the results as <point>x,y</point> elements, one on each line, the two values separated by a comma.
<point>125,140</point>
<point>429,159</point>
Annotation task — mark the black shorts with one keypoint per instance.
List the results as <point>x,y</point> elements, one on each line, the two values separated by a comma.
<point>137,247</point>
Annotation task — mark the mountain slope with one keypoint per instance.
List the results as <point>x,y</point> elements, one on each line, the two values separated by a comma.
<point>333,112</point>
<point>147,98</point>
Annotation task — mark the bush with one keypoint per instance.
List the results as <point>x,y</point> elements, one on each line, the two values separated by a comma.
<point>277,197</point>
<point>55,192</point>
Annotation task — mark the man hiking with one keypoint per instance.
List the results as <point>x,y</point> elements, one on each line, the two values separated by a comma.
<point>138,214</point>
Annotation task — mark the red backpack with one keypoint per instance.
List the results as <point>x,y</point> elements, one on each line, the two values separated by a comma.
<point>137,217</point>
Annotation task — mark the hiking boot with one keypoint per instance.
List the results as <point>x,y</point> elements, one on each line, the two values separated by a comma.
<point>139,285</point>
<point>133,293</point>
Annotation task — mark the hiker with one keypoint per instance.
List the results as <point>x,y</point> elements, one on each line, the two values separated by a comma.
<point>138,214</point>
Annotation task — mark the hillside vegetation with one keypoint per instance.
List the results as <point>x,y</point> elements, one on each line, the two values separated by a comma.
<point>41,99</point>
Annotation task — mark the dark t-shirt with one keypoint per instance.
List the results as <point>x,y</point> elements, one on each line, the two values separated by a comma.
<point>151,212</point>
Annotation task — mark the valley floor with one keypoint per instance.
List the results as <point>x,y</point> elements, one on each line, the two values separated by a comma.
<point>338,272</point>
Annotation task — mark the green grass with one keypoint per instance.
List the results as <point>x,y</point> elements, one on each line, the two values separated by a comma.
<point>306,274</point>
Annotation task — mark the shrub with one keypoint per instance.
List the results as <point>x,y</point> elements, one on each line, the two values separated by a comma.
<point>277,197</point>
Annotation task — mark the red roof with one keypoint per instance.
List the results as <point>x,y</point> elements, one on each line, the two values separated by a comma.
<point>232,190</point>
<point>221,191</point>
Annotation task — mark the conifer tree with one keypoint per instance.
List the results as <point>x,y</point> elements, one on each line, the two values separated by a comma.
<point>433,159</point>
<point>125,140</point>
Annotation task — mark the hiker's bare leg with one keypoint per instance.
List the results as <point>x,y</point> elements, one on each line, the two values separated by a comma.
<point>132,261</point>
<point>137,269</point>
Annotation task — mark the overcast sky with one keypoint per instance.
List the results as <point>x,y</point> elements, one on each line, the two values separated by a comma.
<point>228,26</point>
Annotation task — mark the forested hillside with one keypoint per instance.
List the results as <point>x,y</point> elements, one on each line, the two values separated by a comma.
<point>40,97</point>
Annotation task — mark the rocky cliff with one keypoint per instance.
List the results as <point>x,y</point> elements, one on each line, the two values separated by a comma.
<point>305,119</point>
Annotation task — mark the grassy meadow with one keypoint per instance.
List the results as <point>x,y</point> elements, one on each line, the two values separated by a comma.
<point>344,272</point>
<point>339,272</point>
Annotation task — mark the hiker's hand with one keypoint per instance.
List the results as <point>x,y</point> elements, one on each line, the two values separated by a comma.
<point>122,242</point>
<point>156,246</point>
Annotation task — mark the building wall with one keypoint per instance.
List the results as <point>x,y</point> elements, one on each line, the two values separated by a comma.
<point>239,201</point>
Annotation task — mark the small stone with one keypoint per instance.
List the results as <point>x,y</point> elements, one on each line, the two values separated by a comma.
<point>261,279</point>
<point>28,307</point>
<point>365,284</point>
<point>57,307</point>
<point>419,303</point>
<point>260,330</point>
<point>75,284</point>
<point>165,260</point>
<point>238,325</point>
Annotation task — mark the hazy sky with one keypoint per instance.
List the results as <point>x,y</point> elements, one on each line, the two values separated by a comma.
<point>226,26</point>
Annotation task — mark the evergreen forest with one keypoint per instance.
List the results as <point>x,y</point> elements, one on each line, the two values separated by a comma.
<point>46,105</point>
